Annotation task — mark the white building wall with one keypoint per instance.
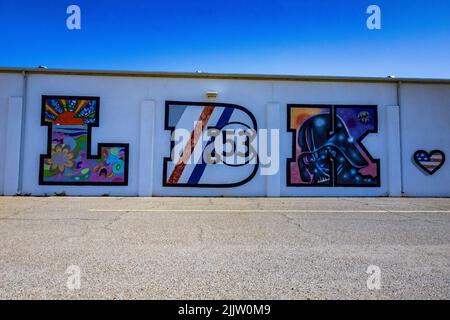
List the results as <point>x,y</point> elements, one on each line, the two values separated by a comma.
<point>382,95</point>
<point>425,123</point>
<point>10,86</point>
<point>120,100</point>
<point>132,111</point>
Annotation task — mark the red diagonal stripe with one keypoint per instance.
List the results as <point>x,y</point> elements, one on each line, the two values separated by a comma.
<point>189,148</point>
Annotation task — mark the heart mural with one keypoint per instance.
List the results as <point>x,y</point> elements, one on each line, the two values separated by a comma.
<point>429,162</point>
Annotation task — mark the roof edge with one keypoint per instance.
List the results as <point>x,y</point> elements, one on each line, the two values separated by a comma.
<point>234,76</point>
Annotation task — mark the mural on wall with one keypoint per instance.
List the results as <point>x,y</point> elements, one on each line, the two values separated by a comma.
<point>327,146</point>
<point>204,150</point>
<point>429,162</point>
<point>69,160</point>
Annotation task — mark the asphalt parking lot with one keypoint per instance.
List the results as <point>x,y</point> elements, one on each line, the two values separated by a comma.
<point>217,248</point>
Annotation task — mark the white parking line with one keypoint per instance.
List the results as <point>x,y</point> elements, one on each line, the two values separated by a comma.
<point>268,210</point>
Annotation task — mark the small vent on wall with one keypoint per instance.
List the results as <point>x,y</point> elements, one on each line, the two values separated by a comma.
<point>212,94</point>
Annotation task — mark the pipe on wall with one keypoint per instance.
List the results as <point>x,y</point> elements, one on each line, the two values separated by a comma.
<point>22,130</point>
<point>399,104</point>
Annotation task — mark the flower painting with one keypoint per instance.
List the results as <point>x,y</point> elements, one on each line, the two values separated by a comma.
<point>69,159</point>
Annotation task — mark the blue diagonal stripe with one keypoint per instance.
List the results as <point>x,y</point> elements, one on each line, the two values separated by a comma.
<point>200,167</point>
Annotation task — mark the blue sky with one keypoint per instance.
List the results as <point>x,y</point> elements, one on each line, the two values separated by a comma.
<point>305,37</point>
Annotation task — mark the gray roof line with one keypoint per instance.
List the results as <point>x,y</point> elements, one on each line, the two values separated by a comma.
<point>205,75</point>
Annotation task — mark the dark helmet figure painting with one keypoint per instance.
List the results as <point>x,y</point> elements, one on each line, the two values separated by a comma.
<point>320,151</point>
<point>328,149</point>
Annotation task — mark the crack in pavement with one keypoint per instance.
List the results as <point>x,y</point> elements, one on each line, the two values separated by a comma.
<point>116,219</point>
<point>388,211</point>
<point>107,226</point>
<point>82,235</point>
<point>383,206</point>
<point>200,234</point>
<point>291,220</point>
<point>51,219</point>
<point>20,211</point>
<point>409,218</point>
<point>365,203</point>
<point>356,201</point>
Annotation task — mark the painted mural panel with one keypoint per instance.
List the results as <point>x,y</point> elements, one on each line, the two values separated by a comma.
<point>69,160</point>
<point>328,149</point>
<point>204,147</point>
<point>429,162</point>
